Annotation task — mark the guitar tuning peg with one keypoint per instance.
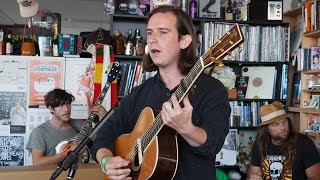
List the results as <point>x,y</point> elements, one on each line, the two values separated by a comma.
<point>221,64</point>
<point>239,48</point>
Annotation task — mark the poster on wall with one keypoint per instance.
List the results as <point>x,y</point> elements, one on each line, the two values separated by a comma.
<point>12,150</point>
<point>44,75</point>
<point>79,82</point>
<point>12,112</point>
<point>13,73</point>
<point>13,94</point>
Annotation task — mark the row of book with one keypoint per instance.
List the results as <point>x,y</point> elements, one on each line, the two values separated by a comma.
<point>307,58</point>
<point>245,114</point>
<point>262,43</point>
<point>311,16</point>
<point>132,75</point>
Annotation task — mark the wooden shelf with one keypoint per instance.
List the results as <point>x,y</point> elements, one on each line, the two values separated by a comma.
<point>249,100</point>
<point>312,34</point>
<point>304,110</point>
<point>252,63</point>
<point>311,90</point>
<point>312,71</point>
<point>293,12</point>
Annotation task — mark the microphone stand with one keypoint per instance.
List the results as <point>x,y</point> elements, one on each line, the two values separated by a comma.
<point>72,156</point>
<point>72,171</point>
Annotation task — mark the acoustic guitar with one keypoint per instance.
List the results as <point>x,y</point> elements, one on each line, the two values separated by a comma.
<point>65,145</point>
<point>152,147</point>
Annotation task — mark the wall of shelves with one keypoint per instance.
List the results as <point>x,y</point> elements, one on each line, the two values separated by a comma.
<point>119,20</point>
<point>301,114</point>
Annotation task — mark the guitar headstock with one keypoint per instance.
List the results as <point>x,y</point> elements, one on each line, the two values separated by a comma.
<point>113,72</point>
<point>231,40</point>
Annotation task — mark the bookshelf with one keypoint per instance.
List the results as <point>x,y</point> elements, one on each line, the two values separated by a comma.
<point>301,114</point>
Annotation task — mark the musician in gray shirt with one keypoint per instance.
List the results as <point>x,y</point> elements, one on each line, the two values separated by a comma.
<point>49,142</point>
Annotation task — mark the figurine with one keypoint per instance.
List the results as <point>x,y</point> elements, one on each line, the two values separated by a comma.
<point>120,43</point>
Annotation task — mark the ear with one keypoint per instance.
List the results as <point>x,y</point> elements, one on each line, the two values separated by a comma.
<point>51,109</point>
<point>185,41</point>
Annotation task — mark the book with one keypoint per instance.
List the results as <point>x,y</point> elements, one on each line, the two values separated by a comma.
<point>315,57</point>
<point>241,86</point>
<point>296,89</point>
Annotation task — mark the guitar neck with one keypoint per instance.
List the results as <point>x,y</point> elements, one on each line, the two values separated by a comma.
<point>86,128</point>
<point>184,87</point>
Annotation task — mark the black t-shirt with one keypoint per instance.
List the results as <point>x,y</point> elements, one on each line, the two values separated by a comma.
<point>211,112</point>
<point>272,167</point>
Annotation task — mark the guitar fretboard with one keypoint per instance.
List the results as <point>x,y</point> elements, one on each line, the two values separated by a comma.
<point>86,128</point>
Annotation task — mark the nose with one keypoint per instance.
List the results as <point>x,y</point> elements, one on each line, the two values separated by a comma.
<point>66,107</point>
<point>152,38</point>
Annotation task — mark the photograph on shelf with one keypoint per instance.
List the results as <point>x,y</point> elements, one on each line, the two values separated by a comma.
<point>209,8</point>
<point>241,86</point>
<point>315,57</point>
<point>228,153</point>
<point>314,123</point>
<point>313,103</point>
<point>246,139</point>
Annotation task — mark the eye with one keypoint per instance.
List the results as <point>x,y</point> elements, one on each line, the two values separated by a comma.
<point>163,32</point>
<point>148,33</point>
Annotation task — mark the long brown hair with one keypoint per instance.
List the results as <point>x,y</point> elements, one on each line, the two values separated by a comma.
<point>289,146</point>
<point>184,27</point>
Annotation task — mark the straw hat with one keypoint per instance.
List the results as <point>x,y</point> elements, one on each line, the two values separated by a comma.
<point>272,112</point>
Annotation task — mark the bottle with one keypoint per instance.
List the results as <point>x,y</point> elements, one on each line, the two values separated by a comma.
<point>129,46</point>
<point>193,9</point>
<point>9,44</point>
<point>184,5</point>
<point>229,15</point>
<point>137,41</point>
<point>2,43</point>
<point>55,41</point>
